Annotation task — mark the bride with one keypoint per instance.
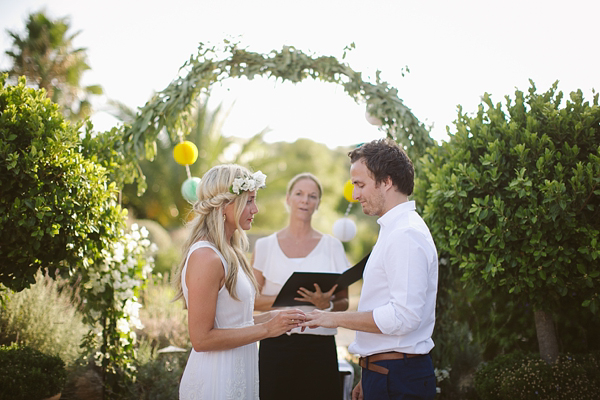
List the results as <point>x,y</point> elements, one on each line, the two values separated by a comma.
<point>218,286</point>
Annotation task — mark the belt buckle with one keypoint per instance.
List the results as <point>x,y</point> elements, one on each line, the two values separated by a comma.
<point>365,361</point>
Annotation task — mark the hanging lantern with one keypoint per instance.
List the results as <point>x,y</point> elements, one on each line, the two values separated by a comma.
<point>185,153</point>
<point>344,229</point>
<point>189,188</point>
<point>372,119</point>
<point>348,188</point>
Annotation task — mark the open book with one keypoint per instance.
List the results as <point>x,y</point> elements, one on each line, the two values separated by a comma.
<point>325,280</point>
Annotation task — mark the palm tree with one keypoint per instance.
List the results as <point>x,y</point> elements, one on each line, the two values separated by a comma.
<point>46,57</point>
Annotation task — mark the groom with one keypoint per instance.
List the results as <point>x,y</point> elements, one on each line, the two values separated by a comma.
<point>396,311</point>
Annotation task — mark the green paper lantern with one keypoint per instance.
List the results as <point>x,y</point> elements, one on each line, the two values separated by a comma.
<point>188,189</point>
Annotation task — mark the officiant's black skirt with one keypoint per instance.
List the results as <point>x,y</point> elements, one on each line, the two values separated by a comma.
<point>299,366</point>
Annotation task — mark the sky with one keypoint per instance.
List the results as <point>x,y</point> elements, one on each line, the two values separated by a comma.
<point>455,51</point>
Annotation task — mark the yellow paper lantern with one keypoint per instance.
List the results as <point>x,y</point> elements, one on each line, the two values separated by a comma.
<point>185,153</point>
<point>348,188</point>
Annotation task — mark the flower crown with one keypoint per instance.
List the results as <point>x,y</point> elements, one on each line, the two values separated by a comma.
<point>248,183</point>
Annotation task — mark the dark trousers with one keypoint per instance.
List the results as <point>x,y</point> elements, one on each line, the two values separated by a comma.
<point>299,367</point>
<point>408,379</point>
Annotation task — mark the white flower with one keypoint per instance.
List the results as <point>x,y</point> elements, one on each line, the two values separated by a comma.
<point>147,270</point>
<point>248,183</point>
<point>123,325</point>
<point>260,179</point>
<point>237,185</point>
<point>119,252</point>
<point>116,275</point>
<point>144,232</point>
<point>132,308</point>
<point>105,266</point>
<point>136,235</point>
<point>98,356</point>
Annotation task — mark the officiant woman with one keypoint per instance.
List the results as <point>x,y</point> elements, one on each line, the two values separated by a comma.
<point>299,365</point>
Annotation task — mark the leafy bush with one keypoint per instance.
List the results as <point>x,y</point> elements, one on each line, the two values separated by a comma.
<point>44,318</point>
<point>159,377</point>
<point>518,376</point>
<point>165,321</point>
<point>57,208</point>
<point>514,202</point>
<point>27,374</point>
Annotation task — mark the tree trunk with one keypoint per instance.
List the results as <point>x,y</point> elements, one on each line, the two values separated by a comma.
<point>546,335</point>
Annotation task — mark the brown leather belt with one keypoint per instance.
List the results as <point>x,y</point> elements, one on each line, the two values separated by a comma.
<point>367,362</point>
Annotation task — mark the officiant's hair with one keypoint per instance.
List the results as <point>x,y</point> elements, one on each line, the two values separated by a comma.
<point>304,175</point>
<point>384,158</point>
<point>208,224</point>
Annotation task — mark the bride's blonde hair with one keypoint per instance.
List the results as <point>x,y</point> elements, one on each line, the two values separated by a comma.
<point>208,224</point>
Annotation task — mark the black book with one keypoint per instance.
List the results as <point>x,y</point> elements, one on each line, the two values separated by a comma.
<point>325,280</point>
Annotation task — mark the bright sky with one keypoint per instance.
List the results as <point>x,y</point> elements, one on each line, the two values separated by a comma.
<point>455,50</point>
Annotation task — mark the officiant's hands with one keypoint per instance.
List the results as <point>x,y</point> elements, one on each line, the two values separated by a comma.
<point>283,321</point>
<point>321,300</point>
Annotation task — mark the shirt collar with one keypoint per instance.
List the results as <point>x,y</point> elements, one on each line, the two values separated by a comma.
<point>395,212</point>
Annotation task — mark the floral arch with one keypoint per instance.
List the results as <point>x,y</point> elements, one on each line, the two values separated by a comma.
<point>169,108</point>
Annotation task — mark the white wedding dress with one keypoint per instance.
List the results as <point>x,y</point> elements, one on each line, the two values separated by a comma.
<point>227,374</point>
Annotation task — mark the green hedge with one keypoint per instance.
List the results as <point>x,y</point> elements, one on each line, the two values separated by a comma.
<point>27,374</point>
<point>526,376</point>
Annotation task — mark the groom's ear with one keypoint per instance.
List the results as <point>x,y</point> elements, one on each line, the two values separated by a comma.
<point>387,183</point>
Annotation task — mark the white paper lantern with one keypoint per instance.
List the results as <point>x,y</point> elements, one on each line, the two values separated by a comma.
<point>372,120</point>
<point>344,229</point>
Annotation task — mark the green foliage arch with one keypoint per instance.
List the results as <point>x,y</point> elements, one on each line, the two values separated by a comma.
<point>170,107</point>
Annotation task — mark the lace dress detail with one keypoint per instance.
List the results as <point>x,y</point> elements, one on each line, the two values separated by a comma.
<point>227,374</point>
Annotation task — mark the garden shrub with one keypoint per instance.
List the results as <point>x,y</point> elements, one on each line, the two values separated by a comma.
<point>165,321</point>
<point>44,318</point>
<point>519,376</point>
<point>159,377</point>
<point>27,374</point>
<point>513,201</point>
<point>58,210</point>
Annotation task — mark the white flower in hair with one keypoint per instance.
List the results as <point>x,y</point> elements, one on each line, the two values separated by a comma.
<point>237,185</point>
<point>248,183</point>
<point>259,179</point>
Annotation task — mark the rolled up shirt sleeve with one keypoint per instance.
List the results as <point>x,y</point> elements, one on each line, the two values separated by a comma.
<point>406,263</point>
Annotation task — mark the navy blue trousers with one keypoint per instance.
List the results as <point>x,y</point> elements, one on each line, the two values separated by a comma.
<point>408,379</point>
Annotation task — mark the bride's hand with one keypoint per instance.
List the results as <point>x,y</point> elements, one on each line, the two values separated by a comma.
<point>284,321</point>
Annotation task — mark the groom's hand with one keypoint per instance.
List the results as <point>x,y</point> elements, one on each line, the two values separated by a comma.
<point>357,393</point>
<point>318,318</point>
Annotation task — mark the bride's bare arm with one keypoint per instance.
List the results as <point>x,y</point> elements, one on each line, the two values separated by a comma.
<point>204,278</point>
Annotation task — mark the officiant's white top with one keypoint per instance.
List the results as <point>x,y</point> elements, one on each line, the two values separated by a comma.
<point>327,256</point>
<point>227,374</point>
